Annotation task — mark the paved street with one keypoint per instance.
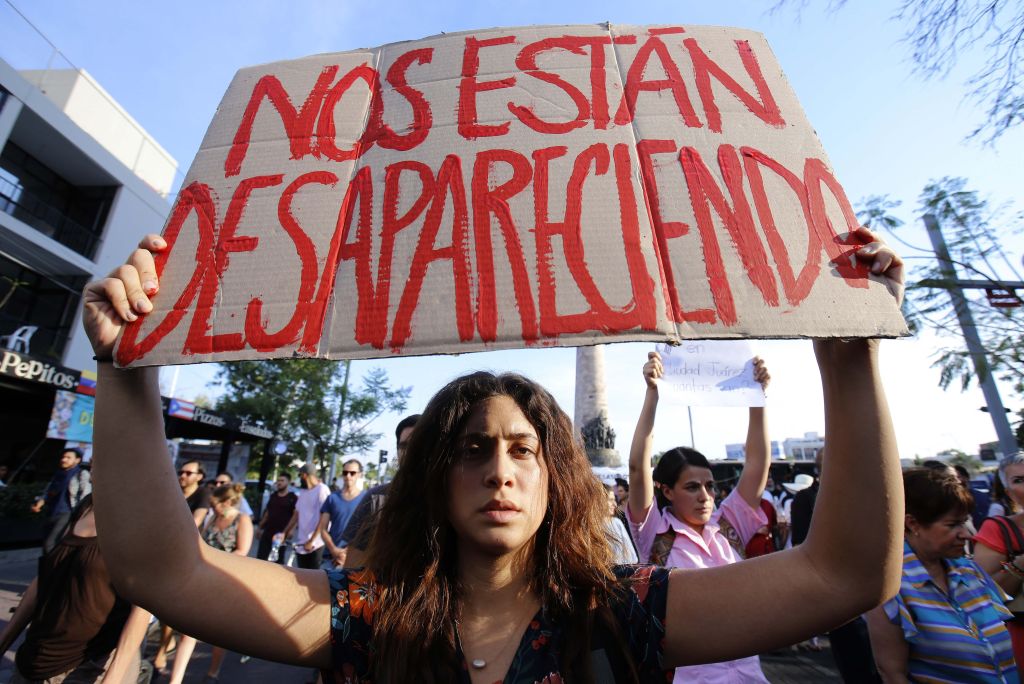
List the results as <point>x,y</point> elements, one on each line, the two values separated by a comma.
<point>17,569</point>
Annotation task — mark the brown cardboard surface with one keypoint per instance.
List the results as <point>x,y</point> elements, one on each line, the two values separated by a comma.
<point>534,186</point>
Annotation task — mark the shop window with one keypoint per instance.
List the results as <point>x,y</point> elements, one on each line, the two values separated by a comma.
<point>36,195</point>
<point>48,303</point>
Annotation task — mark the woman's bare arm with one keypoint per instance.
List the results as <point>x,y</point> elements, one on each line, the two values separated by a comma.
<point>757,450</point>
<point>852,558</point>
<point>641,484</point>
<point>287,612</point>
<point>244,535</point>
<point>991,561</point>
<point>890,649</point>
<point>128,645</point>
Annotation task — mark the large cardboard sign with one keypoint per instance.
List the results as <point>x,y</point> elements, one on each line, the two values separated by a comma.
<point>709,373</point>
<point>505,188</point>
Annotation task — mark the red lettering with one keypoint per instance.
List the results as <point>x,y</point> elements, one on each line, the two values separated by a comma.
<point>526,60</point>
<point>635,83</point>
<point>325,131</point>
<point>469,87</point>
<point>256,334</point>
<point>641,310</point>
<point>360,189</point>
<point>422,118</point>
<point>852,269</point>
<point>488,201</point>
<point>393,224</point>
<point>704,67</point>
<point>738,221</point>
<point>796,288</point>
<point>194,199</point>
<point>198,340</point>
<point>298,125</point>
<point>551,322</point>
<point>449,181</point>
<point>665,231</point>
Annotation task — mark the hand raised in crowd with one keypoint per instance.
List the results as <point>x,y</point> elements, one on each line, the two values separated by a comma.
<point>653,370</point>
<point>121,297</point>
<point>761,373</point>
<point>883,261</point>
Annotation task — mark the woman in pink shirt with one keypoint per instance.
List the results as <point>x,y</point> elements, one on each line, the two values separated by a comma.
<point>684,529</point>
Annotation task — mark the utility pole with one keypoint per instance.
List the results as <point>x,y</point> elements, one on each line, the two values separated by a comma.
<point>1007,440</point>
<point>341,415</point>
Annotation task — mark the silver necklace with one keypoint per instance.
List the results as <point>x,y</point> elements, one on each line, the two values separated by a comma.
<point>480,663</point>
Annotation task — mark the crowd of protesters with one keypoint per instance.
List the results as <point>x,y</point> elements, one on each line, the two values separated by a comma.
<point>495,533</point>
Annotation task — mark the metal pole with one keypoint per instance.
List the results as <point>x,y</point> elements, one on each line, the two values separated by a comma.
<point>341,415</point>
<point>693,442</point>
<point>1007,440</point>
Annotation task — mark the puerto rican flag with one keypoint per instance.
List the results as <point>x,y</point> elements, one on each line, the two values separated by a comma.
<point>179,408</point>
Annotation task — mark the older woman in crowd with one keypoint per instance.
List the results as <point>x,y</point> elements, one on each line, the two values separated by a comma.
<point>947,622</point>
<point>999,548</point>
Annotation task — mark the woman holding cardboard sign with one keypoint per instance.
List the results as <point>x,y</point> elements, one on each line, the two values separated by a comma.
<point>490,560</point>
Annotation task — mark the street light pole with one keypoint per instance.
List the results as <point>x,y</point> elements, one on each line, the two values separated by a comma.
<point>1007,440</point>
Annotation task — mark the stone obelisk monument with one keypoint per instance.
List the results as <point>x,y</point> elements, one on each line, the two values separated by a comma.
<point>592,407</point>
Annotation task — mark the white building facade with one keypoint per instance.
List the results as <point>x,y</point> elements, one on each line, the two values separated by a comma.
<point>80,183</point>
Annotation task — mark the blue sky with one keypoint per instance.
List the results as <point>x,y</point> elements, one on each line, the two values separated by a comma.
<point>885,130</point>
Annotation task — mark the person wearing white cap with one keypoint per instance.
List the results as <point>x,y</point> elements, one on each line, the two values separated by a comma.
<point>799,483</point>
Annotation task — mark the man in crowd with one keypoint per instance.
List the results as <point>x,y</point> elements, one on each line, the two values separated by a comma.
<point>275,518</point>
<point>338,509</point>
<point>309,548</point>
<point>67,487</point>
<point>360,525</point>
<point>190,476</point>
<point>190,479</point>
<point>622,495</point>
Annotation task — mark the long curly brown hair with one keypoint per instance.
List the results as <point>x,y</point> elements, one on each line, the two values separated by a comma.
<point>414,548</point>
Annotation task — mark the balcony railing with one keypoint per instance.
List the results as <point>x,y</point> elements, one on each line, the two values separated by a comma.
<point>48,220</point>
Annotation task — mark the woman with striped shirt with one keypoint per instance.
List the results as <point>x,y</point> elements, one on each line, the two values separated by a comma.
<point>946,623</point>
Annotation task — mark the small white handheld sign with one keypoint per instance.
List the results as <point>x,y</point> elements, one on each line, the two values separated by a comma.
<point>709,373</point>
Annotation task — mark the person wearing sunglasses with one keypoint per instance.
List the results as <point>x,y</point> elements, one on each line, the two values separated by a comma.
<point>190,477</point>
<point>685,529</point>
<point>338,510</point>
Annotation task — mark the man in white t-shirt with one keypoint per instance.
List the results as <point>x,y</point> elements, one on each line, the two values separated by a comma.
<point>309,547</point>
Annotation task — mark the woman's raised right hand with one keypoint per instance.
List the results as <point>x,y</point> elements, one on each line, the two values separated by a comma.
<point>121,297</point>
<point>653,370</point>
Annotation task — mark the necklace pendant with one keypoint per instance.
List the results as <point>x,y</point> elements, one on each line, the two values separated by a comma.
<point>478,663</point>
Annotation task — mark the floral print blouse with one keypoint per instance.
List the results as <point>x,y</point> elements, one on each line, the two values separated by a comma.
<point>640,616</point>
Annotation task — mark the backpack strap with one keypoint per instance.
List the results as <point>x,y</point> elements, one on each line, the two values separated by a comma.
<point>662,545</point>
<point>1013,540</point>
<point>732,536</point>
